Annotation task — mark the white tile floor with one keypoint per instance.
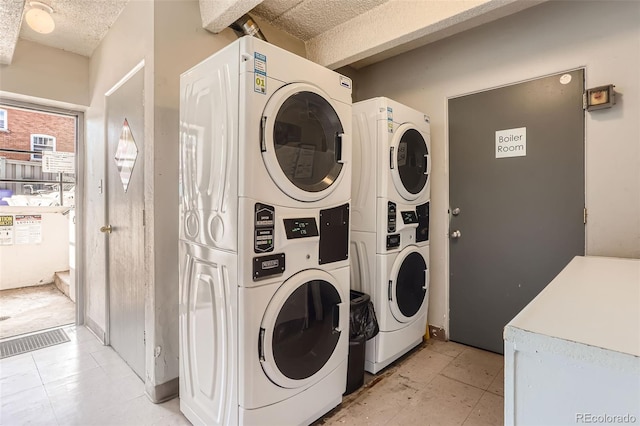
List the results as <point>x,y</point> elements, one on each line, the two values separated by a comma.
<point>83,382</point>
<point>80,382</point>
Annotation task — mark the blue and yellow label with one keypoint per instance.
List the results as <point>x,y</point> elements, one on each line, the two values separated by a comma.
<point>260,73</point>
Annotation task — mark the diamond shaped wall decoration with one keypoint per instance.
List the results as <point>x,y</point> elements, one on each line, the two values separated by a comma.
<point>126,154</point>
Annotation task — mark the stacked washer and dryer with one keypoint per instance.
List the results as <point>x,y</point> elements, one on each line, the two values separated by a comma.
<point>264,237</point>
<point>390,223</point>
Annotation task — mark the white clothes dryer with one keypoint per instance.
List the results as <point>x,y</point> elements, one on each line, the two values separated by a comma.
<point>398,283</point>
<point>262,123</point>
<point>264,237</point>
<point>390,220</point>
<point>391,147</point>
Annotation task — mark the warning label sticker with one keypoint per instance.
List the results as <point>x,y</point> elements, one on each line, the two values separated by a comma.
<point>260,73</point>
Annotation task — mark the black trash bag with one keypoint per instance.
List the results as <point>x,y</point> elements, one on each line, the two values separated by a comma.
<point>362,318</point>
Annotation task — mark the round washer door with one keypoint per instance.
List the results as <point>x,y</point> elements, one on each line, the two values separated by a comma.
<point>409,283</point>
<point>300,330</point>
<point>302,139</point>
<point>410,163</point>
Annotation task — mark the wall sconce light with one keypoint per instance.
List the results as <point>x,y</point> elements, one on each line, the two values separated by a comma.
<point>39,18</point>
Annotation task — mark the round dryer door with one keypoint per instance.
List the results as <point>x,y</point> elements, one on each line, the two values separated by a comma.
<point>300,330</point>
<point>409,162</point>
<point>302,142</point>
<point>409,284</point>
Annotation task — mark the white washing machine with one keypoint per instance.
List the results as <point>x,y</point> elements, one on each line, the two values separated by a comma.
<point>390,221</point>
<point>264,237</point>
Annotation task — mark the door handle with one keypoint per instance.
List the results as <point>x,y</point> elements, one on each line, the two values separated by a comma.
<point>455,211</point>
<point>455,234</point>
<point>107,229</point>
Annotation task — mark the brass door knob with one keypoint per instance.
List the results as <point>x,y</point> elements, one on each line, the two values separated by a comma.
<point>106,229</point>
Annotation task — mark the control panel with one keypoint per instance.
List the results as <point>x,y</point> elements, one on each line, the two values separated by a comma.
<point>264,226</point>
<point>422,231</point>
<point>391,217</point>
<point>393,241</point>
<point>300,228</point>
<point>409,217</point>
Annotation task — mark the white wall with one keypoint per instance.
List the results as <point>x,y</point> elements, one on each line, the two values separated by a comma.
<point>129,41</point>
<point>48,73</point>
<point>26,265</point>
<point>602,36</point>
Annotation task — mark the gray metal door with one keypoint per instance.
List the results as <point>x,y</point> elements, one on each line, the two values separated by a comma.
<point>517,199</point>
<point>125,201</point>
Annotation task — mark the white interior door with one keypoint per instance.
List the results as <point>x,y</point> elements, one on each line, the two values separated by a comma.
<point>125,215</point>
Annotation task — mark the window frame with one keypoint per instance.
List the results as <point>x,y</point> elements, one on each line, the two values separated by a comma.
<point>41,135</point>
<point>4,124</point>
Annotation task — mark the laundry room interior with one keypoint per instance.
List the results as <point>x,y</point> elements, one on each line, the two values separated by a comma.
<point>221,252</point>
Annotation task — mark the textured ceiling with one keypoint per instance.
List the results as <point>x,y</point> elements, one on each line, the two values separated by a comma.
<point>80,25</point>
<point>305,19</point>
<point>335,32</point>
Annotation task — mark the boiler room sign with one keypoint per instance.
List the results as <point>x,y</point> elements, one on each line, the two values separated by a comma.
<point>511,143</point>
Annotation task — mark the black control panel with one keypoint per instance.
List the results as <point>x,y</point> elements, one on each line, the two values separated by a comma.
<point>264,225</point>
<point>409,217</point>
<point>422,231</point>
<point>391,217</point>
<point>334,234</point>
<point>300,228</point>
<point>393,241</point>
<point>267,266</point>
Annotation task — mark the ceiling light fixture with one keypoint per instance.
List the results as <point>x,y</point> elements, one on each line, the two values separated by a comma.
<point>39,17</point>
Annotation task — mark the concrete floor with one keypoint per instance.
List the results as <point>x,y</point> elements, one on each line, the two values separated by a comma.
<point>32,309</point>
<point>438,383</point>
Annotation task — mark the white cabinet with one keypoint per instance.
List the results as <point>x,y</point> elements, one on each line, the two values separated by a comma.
<point>572,356</point>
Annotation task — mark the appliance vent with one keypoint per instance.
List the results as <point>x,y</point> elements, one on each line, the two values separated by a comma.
<point>32,342</point>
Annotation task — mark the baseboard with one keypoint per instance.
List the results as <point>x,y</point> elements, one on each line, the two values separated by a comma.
<point>95,329</point>
<point>163,392</point>
<point>437,333</point>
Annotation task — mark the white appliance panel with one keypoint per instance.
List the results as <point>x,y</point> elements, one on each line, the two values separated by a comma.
<point>208,151</point>
<point>388,346</point>
<point>300,253</point>
<point>208,348</point>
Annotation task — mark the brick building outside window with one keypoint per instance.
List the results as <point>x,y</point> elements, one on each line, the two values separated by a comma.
<point>29,130</point>
<point>24,126</point>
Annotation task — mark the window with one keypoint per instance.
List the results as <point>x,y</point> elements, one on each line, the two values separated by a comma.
<point>42,143</point>
<point>3,120</point>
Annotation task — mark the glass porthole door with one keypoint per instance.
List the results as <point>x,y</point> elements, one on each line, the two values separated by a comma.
<point>409,283</point>
<point>410,163</point>
<point>301,329</point>
<point>302,142</point>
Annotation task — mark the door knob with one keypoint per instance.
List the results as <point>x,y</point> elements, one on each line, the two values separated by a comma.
<point>455,234</point>
<point>455,211</point>
<point>106,229</point>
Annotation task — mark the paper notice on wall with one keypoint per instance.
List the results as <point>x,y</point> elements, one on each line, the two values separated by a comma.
<point>6,230</point>
<point>58,162</point>
<point>28,229</point>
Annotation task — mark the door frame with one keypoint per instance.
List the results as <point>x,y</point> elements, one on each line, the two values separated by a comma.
<point>448,174</point>
<point>48,106</point>
<point>105,182</point>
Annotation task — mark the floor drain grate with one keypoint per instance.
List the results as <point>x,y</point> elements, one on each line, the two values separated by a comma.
<point>31,343</point>
<point>4,318</point>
